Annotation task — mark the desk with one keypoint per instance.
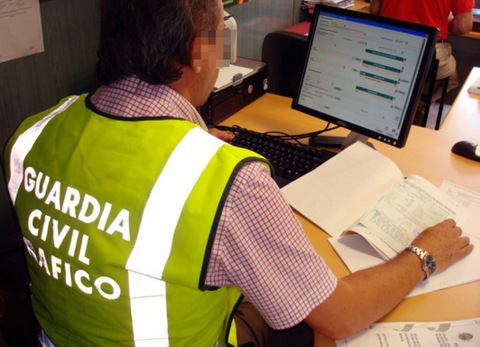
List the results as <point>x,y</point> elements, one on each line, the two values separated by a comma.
<point>463,119</point>
<point>359,5</point>
<point>427,153</point>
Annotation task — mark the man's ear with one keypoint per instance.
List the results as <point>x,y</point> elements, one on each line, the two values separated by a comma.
<point>196,67</point>
<point>196,55</point>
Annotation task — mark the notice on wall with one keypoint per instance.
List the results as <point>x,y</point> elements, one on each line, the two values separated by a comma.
<point>20,29</point>
<point>228,3</point>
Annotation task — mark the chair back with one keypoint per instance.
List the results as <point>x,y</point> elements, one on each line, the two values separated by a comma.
<point>431,86</point>
<point>284,53</point>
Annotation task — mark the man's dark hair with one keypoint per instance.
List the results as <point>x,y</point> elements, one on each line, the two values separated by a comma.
<point>151,39</point>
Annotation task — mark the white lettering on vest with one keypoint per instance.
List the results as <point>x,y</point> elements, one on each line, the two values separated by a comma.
<point>121,224</point>
<point>89,203</point>
<point>46,221</point>
<point>107,280</point>
<point>51,227</point>
<point>54,196</point>
<point>103,219</point>
<point>71,201</point>
<point>58,237</point>
<point>90,208</point>
<point>41,194</point>
<point>29,182</point>
<point>35,214</point>
<point>42,261</point>
<point>56,269</point>
<point>83,250</point>
<point>105,286</point>
<point>68,275</point>
<point>78,281</point>
<point>73,243</point>
<point>30,249</point>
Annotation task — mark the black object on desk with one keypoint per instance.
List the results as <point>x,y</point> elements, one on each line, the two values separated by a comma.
<point>243,90</point>
<point>289,160</point>
<point>467,149</point>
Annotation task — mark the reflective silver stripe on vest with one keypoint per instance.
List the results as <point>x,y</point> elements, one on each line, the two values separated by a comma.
<point>153,244</point>
<point>24,144</point>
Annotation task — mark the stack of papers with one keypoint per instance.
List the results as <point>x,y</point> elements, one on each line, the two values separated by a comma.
<point>405,334</point>
<point>361,198</point>
<point>334,3</point>
<point>230,75</point>
<point>475,87</point>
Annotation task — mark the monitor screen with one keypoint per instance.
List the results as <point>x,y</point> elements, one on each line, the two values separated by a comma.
<point>365,72</point>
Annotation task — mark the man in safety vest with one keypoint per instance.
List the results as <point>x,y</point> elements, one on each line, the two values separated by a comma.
<point>141,228</point>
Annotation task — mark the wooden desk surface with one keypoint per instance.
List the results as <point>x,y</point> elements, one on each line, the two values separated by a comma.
<point>360,5</point>
<point>427,153</point>
<point>473,35</point>
<point>463,119</point>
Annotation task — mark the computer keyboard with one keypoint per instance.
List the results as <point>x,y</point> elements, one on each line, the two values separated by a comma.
<point>289,160</point>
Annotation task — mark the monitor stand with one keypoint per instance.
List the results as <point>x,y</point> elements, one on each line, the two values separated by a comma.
<point>339,141</point>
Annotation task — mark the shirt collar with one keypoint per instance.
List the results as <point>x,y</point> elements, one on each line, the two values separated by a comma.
<point>131,97</point>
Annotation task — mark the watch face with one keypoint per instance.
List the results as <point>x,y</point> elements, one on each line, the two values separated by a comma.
<point>430,264</point>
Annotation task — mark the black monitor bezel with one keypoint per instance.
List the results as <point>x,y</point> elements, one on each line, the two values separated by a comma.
<point>418,86</point>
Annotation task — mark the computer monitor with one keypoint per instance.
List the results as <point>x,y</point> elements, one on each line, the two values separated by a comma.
<point>365,73</point>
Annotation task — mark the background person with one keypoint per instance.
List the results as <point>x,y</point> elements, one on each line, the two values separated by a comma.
<point>449,16</point>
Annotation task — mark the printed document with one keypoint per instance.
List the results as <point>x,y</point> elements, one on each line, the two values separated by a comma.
<point>20,28</point>
<point>361,198</point>
<point>229,75</point>
<point>362,187</point>
<point>406,334</point>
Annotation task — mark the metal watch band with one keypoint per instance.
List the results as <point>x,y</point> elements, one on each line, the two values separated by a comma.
<point>428,261</point>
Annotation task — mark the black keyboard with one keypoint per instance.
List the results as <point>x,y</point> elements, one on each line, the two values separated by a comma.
<point>289,160</point>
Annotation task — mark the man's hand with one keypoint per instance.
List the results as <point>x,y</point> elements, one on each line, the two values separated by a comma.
<point>222,135</point>
<point>445,243</point>
<point>364,296</point>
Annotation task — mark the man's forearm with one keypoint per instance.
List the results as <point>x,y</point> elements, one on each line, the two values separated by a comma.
<point>375,7</point>
<point>363,297</point>
<point>461,24</point>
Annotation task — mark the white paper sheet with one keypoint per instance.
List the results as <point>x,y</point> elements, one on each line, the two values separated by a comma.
<point>336,194</point>
<point>358,254</point>
<point>225,76</point>
<point>406,334</point>
<point>20,29</point>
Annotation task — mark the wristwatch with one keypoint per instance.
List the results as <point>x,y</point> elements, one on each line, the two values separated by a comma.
<point>429,263</point>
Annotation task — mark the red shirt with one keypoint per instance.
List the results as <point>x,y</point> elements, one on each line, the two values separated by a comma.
<point>429,12</point>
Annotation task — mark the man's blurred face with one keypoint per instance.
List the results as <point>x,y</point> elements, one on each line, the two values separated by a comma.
<point>211,52</point>
<point>212,48</point>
